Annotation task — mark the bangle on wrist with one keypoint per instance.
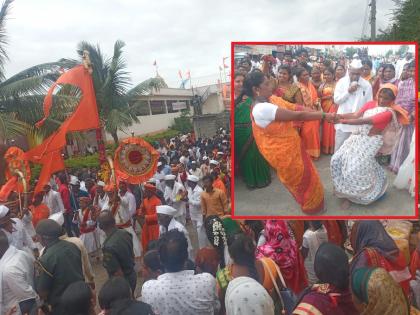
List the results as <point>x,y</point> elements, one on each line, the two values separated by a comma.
<point>323,115</point>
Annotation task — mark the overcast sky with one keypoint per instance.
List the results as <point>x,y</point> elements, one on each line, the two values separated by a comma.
<point>178,34</point>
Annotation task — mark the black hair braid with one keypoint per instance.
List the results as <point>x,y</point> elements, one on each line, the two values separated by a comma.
<point>220,247</point>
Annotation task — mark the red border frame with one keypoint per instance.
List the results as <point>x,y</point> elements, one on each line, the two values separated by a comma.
<point>303,216</point>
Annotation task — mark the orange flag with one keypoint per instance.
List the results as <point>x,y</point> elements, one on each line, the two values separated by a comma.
<point>51,163</point>
<point>84,117</point>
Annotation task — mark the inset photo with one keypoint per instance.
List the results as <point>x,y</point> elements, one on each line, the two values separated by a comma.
<point>325,129</point>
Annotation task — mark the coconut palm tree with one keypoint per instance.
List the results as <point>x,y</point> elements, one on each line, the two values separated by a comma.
<point>22,95</point>
<point>116,99</point>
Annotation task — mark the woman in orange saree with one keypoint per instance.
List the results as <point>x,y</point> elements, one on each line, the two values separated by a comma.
<point>310,129</point>
<point>280,144</point>
<point>326,91</point>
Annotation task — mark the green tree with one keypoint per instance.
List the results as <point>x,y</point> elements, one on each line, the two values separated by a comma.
<point>405,23</point>
<point>117,102</point>
<point>183,122</point>
<point>22,95</point>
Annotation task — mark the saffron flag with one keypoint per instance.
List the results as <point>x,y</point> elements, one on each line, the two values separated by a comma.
<point>84,117</point>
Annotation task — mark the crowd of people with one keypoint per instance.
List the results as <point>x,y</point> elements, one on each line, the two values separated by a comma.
<point>79,219</point>
<point>241,267</point>
<point>290,109</point>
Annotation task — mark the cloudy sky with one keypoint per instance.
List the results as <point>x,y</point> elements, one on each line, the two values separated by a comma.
<point>178,34</point>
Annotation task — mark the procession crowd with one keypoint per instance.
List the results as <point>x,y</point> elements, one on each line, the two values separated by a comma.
<point>291,108</point>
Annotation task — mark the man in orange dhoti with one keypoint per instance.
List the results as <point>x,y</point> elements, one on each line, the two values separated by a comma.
<point>147,216</point>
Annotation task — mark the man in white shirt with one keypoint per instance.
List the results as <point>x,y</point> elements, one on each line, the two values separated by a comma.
<point>129,197</point>
<point>196,171</point>
<point>166,219</point>
<point>351,93</point>
<point>15,231</point>
<point>174,195</point>
<point>179,291</point>
<point>53,200</point>
<point>312,239</point>
<point>101,198</point>
<point>123,218</point>
<point>196,214</point>
<point>17,279</point>
<point>399,66</point>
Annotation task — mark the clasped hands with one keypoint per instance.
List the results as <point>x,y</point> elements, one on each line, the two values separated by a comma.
<point>335,118</point>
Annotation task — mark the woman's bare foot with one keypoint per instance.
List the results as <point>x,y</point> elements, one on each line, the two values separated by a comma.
<point>345,204</point>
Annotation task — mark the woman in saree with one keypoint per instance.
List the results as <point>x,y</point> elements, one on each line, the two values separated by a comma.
<point>375,292</point>
<point>286,88</point>
<point>331,295</point>
<point>373,247</point>
<point>356,174</point>
<point>253,167</point>
<point>241,248</point>
<point>316,77</point>
<point>283,250</point>
<point>280,144</point>
<point>406,98</point>
<point>310,129</point>
<point>326,92</point>
<point>377,81</point>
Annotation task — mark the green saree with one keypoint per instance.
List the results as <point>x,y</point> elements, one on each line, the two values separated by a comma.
<point>253,167</point>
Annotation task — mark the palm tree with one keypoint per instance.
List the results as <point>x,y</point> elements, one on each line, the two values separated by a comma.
<point>22,95</point>
<point>117,104</point>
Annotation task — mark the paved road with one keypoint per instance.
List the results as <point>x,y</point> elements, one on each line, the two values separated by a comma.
<point>276,200</point>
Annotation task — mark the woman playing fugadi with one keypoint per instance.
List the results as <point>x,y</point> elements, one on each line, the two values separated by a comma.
<point>280,144</point>
<point>356,174</point>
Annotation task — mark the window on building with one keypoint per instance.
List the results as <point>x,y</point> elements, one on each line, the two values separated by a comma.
<point>158,107</point>
<point>142,108</point>
<point>170,106</point>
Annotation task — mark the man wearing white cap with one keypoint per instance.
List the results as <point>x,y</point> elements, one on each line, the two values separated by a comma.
<point>166,219</point>
<point>205,167</point>
<point>101,197</point>
<point>174,195</point>
<point>351,93</point>
<point>195,170</point>
<point>15,231</point>
<point>213,164</point>
<point>194,201</point>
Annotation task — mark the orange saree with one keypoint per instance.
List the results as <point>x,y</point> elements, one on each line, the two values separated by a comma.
<point>283,149</point>
<point>328,130</point>
<point>310,129</point>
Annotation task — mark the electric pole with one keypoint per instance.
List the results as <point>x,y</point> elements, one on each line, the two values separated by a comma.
<point>373,20</point>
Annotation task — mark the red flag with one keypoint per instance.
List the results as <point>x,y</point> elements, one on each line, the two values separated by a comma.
<point>188,74</point>
<point>180,74</point>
